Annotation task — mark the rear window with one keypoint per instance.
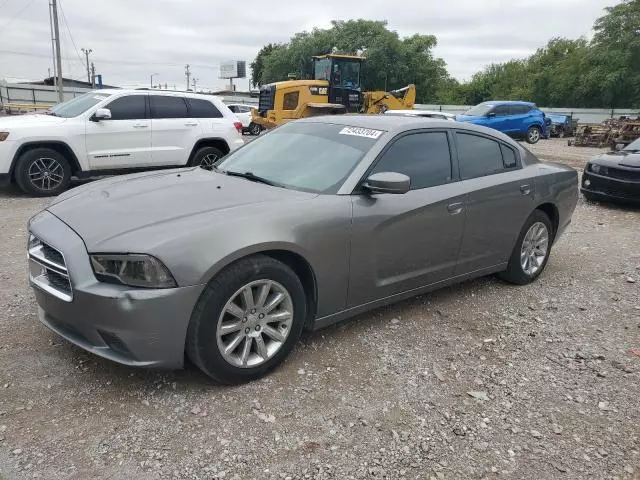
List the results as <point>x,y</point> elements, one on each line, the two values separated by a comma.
<point>168,107</point>
<point>199,108</point>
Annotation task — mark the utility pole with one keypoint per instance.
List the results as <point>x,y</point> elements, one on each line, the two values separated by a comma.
<point>86,54</point>
<point>93,75</point>
<point>56,30</point>
<point>195,81</point>
<point>188,74</point>
<point>151,78</point>
<point>53,49</point>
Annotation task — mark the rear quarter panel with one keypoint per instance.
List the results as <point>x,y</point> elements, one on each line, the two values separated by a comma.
<point>557,184</point>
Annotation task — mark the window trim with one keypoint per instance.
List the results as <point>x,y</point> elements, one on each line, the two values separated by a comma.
<point>455,172</point>
<point>184,101</point>
<point>501,144</point>
<point>147,115</point>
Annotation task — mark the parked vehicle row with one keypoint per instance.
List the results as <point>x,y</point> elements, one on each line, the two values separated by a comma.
<point>109,131</point>
<point>312,223</point>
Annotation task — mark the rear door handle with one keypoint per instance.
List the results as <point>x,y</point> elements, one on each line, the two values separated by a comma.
<point>191,124</point>
<point>454,208</point>
<point>525,189</point>
<point>140,125</point>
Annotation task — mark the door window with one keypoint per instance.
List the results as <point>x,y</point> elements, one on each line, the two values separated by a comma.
<point>290,101</point>
<point>509,158</point>
<point>478,156</point>
<point>168,107</point>
<point>199,108</point>
<point>424,157</point>
<point>520,109</point>
<point>501,110</point>
<point>130,107</point>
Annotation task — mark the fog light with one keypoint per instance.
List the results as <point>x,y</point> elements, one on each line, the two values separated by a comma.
<point>587,183</point>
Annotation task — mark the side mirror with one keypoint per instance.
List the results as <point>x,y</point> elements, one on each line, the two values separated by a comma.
<point>101,114</point>
<point>491,114</point>
<point>388,182</point>
<point>619,146</point>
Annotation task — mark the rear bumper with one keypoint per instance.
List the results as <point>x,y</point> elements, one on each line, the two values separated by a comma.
<point>612,189</point>
<point>137,327</point>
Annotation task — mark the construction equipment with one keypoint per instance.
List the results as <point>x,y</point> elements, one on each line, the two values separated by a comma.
<point>611,132</point>
<point>334,89</point>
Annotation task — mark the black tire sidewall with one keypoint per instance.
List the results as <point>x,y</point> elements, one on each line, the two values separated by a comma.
<point>515,273</point>
<point>529,130</point>
<point>200,154</point>
<point>27,159</point>
<point>202,344</point>
<point>255,129</point>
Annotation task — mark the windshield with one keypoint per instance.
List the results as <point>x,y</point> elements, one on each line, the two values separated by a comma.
<point>313,157</point>
<point>635,145</point>
<point>346,73</point>
<point>322,69</point>
<point>479,110</point>
<point>78,105</point>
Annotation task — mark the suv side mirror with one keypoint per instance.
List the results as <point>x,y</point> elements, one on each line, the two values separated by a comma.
<point>101,114</point>
<point>388,182</point>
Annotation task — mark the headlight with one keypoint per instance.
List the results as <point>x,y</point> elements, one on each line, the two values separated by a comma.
<point>3,136</point>
<point>598,169</point>
<point>133,270</point>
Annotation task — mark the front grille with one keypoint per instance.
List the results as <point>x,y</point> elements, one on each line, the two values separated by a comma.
<point>267,98</point>
<point>613,187</point>
<point>629,175</point>
<point>48,269</point>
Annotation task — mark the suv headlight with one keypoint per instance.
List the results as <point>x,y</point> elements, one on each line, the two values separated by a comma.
<point>135,270</point>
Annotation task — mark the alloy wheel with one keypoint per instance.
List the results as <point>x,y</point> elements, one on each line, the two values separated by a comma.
<point>535,247</point>
<point>46,174</point>
<point>254,323</point>
<point>208,161</point>
<point>534,135</point>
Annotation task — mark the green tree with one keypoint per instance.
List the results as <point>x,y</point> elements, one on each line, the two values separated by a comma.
<point>257,66</point>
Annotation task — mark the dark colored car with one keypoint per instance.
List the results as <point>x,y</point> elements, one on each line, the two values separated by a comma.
<point>561,125</point>
<point>516,119</point>
<point>614,176</point>
<point>314,222</point>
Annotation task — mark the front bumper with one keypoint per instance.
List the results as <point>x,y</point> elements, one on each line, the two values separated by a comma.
<point>609,188</point>
<point>7,152</point>
<point>138,327</point>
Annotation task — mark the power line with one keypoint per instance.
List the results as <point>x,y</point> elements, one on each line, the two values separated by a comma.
<point>64,19</point>
<point>17,15</point>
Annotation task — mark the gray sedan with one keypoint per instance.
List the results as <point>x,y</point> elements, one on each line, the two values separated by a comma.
<point>312,223</point>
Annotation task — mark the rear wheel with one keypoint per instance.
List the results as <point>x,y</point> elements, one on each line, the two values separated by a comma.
<point>43,172</point>
<point>247,320</point>
<point>533,135</point>
<point>531,251</point>
<point>254,129</point>
<point>206,157</point>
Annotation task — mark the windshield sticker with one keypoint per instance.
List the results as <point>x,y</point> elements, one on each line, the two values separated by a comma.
<point>361,132</point>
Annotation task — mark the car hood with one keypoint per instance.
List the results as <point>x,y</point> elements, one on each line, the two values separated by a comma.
<point>470,118</point>
<point>622,158</point>
<point>105,209</point>
<point>16,121</point>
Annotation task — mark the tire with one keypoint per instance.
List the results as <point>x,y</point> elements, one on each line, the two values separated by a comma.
<point>43,172</point>
<point>254,129</point>
<point>205,157</point>
<point>590,197</point>
<point>205,343</point>
<point>515,272</point>
<point>534,134</point>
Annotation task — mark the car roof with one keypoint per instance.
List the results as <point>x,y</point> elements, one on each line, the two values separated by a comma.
<point>507,102</point>
<point>418,111</point>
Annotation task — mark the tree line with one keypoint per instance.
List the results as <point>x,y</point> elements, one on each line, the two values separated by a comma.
<point>603,72</point>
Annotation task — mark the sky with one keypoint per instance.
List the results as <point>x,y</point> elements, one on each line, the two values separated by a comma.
<point>132,39</point>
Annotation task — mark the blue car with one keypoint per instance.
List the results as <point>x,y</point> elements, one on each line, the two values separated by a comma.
<point>517,119</point>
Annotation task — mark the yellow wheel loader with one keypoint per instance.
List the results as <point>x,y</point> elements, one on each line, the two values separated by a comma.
<point>334,89</point>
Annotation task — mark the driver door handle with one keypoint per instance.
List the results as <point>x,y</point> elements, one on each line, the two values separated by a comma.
<point>454,208</point>
<point>140,125</point>
<point>191,124</point>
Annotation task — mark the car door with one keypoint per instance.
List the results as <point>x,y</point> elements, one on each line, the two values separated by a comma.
<point>498,118</point>
<point>124,140</point>
<point>401,242</point>
<point>500,198</point>
<point>518,120</point>
<point>173,131</point>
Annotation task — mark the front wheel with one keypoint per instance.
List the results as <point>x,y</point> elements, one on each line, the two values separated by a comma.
<point>533,135</point>
<point>247,320</point>
<point>254,129</point>
<point>43,172</point>
<point>531,251</point>
<point>206,157</point>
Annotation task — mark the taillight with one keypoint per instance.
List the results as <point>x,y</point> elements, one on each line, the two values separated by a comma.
<point>238,126</point>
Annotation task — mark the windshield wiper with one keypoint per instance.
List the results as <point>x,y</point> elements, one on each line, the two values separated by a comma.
<point>250,176</point>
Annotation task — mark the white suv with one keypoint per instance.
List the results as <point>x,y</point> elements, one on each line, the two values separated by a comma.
<point>114,131</point>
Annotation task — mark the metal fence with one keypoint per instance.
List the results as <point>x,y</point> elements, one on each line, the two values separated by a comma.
<point>24,95</point>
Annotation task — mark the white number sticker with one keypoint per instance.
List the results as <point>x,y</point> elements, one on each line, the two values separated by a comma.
<point>361,132</point>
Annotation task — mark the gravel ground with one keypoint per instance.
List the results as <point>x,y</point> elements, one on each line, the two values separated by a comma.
<point>481,380</point>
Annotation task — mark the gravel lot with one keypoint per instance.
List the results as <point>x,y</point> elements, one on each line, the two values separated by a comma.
<point>481,380</point>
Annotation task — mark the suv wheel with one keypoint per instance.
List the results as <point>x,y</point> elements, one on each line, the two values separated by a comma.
<point>533,134</point>
<point>43,172</point>
<point>254,129</point>
<point>206,157</point>
<point>531,251</point>
<point>247,320</point>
